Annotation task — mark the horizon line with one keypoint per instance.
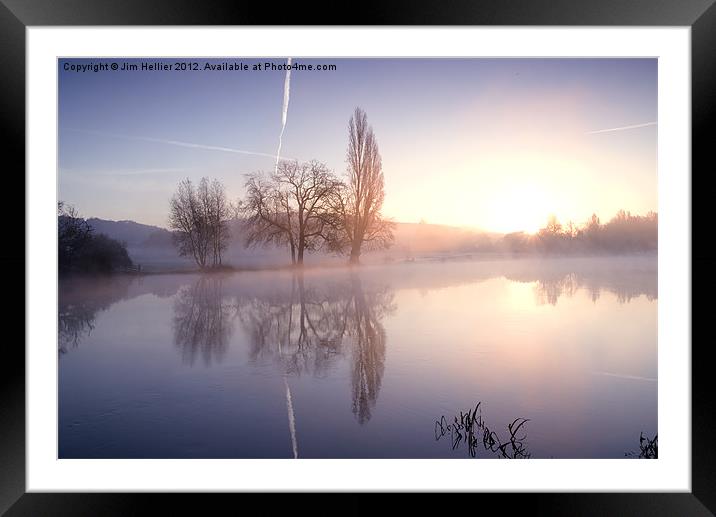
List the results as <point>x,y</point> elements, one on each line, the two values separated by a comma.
<point>426,223</point>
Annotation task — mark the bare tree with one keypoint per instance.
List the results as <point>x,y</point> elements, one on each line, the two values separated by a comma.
<point>185,222</point>
<point>268,215</point>
<point>198,218</point>
<point>358,206</point>
<point>218,212</point>
<point>291,207</point>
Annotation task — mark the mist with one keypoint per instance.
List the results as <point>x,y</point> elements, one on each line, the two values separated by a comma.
<point>625,235</point>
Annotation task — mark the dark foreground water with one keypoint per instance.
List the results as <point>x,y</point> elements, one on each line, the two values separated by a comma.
<point>343,364</point>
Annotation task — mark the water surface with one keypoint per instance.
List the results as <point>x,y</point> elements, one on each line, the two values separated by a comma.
<point>344,363</point>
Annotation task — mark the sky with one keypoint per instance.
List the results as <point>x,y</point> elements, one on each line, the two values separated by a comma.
<point>493,144</point>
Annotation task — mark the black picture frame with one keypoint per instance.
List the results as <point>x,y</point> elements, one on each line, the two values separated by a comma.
<point>17,15</point>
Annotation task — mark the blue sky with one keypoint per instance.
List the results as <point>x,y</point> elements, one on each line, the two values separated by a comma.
<point>464,141</point>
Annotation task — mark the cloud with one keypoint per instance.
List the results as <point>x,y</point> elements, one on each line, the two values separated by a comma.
<point>622,128</point>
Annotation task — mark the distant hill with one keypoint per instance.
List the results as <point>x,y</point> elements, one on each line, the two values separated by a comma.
<point>133,234</point>
<point>410,238</point>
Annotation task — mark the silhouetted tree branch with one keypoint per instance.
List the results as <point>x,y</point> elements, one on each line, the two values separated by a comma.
<point>291,206</point>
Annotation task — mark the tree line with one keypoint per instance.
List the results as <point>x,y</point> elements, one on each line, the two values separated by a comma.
<point>302,206</point>
<point>81,250</point>
<point>625,232</point>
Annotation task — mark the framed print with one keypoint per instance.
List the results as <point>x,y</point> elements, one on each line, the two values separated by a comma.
<point>292,255</point>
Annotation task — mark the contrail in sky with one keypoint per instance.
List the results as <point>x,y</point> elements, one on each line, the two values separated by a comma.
<point>207,147</point>
<point>284,112</point>
<point>622,128</point>
<point>175,142</point>
<point>630,377</point>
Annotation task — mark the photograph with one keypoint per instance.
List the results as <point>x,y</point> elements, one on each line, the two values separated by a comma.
<point>348,257</point>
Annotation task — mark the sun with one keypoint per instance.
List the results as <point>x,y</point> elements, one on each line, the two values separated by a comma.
<point>519,209</point>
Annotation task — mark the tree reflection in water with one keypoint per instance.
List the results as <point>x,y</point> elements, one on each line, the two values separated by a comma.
<point>202,320</point>
<point>79,301</point>
<point>305,329</point>
<point>626,278</point>
<point>75,322</point>
<point>368,340</point>
<point>550,288</point>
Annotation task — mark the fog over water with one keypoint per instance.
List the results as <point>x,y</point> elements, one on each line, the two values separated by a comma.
<point>342,363</point>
